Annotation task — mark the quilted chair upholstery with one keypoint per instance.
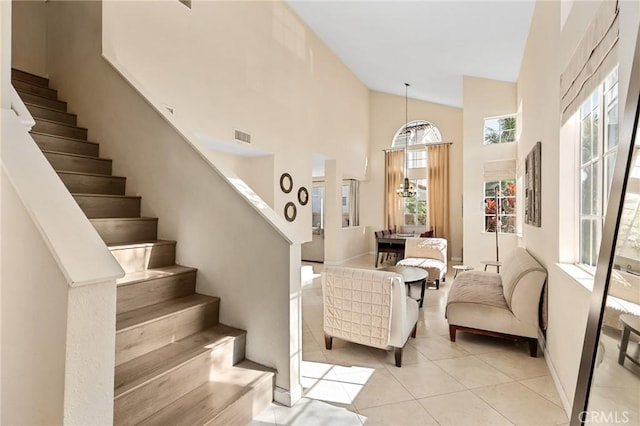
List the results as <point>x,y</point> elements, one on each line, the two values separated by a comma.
<point>429,254</point>
<point>368,307</point>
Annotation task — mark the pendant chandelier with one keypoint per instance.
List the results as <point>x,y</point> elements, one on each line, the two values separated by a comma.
<point>406,189</point>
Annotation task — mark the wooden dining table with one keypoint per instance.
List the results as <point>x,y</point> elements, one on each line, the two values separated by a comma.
<point>393,243</point>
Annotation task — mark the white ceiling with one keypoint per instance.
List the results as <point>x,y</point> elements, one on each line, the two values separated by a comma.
<point>428,44</point>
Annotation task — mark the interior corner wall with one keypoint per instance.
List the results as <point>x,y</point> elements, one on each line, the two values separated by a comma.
<point>29,45</point>
<point>387,116</point>
<point>34,320</point>
<point>254,66</point>
<point>483,98</point>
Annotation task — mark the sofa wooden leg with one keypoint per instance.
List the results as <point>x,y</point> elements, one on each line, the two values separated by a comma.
<point>398,357</point>
<point>533,347</point>
<point>415,331</point>
<point>452,333</point>
<point>437,284</point>
<point>328,341</point>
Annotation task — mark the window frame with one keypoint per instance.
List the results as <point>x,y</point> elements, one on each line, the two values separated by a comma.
<point>505,194</point>
<point>597,167</point>
<point>500,132</point>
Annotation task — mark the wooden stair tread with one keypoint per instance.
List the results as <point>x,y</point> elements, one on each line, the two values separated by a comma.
<point>18,75</point>
<point>139,244</point>
<point>89,174</point>
<point>39,97</point>
<point>152,274</point>
<point>140,370</point>
<point>27,103</point>
<point>68,154</point>
<point>130,319</point>
<point>123,219</point>
<point>59,123</point>
<point>81,194</point>
<point>206,402</point>
<point>63,137</point>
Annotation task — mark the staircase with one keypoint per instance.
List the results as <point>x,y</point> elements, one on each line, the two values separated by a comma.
<point>175,363</point>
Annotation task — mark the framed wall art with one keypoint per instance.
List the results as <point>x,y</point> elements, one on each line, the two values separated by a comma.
<point>533,186</point>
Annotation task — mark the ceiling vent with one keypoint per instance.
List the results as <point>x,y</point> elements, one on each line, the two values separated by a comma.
<point>241,136</point>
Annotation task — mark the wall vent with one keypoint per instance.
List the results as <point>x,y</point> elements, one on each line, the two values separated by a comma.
<point>172,110</point>
<point>241,136</point>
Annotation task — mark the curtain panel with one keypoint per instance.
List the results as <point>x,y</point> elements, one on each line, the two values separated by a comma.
<point>438,182</point>
<point>394,176</point>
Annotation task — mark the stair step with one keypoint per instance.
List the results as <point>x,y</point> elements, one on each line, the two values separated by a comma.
<point>59,129</point>
<point>146,329</point>
<point>66,162</point>
<point>144,255</point>
<point>51,114</point>
<point>64,144</point>
<point>233,396</point>
<point>42,101</point>
<point>87,183</point>
<point>180,366</point>
<point>97,206</point>
<point>118,230</point>
<point>139,289</point>
<point>36,89</point>
<point>31,78</point>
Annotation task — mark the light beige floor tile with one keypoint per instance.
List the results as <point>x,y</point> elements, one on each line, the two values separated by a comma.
<point>402,413</point>
<point>266,417</point>
<point>438,347</point>
<point>351,355</point>
<point>382,388</point>
<point>521,405</point>
<point>544,386</point>
<point>331,391</point>
<point>478,344</point>
<point>472,372</point>
<point>462,408</point>
<point>410,356</point>
<point>317,369</point>
<point>425,380</point>
<point>516,364</point>
<point>622,404</point>
<point>310,412</point>
<point>314,356</point>
<point>309,343</point>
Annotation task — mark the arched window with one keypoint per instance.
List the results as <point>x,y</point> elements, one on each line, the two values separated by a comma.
<point>418,135</point>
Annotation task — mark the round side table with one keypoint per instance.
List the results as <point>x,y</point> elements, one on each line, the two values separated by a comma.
<point>461,268</point>
<point>492,263</point>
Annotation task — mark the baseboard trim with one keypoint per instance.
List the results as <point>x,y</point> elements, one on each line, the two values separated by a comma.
<point>554,375</point>
<point>287,397</point>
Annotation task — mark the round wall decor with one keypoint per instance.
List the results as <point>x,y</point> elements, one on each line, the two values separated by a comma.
<point>290,211</point>
<point>286,183</point>
<point>303,196</point>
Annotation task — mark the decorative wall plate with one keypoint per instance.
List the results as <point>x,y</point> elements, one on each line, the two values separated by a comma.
<point>303,196</point>
<point>290,211</point>
<point>286,183</point>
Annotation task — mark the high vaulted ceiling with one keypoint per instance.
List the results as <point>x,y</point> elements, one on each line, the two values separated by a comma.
<point>428,44</point>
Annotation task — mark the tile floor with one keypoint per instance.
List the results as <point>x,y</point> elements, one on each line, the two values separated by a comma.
<point>475,381</point>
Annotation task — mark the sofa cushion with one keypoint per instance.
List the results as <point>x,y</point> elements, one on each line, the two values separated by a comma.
<point>477,287</point>
<point>434,248</point>
<point>514,267</point>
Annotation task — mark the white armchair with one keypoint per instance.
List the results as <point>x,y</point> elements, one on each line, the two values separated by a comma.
<point>368,307</point>
<point>429,254</point>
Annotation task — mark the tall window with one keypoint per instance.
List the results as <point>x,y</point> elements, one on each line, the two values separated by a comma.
<point>421,133</point>
<point>499,129</point>
<point>500,199</point>
<point>598,145</point>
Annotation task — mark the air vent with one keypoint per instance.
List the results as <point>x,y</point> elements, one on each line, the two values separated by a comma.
<point>172,110</point>
<point>241,136</point>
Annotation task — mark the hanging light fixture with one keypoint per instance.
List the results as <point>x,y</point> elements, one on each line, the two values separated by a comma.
<point>406,189</point>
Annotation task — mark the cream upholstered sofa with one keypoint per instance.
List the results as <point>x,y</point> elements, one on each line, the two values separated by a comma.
<point>503,305</point>
<point>429,254</point>
<point>368,307</point>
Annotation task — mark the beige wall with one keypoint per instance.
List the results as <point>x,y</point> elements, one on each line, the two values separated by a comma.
<point>34,320</point>
<point>538,96</point>
<point>483,98</point>
<point>386,118</point>
<point>276,80</point>
<point>30,43</point>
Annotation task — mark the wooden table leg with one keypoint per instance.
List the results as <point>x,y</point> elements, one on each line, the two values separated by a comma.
<point>624,343</point>
<point>424,285</point>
